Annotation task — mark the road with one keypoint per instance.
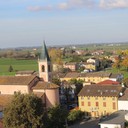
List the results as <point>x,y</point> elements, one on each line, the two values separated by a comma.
<point>86,124</point>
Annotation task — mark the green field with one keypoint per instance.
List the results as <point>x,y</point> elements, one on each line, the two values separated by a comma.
<point>17,65</point>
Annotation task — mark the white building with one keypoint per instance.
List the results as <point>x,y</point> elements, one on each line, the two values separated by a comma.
<point>115,120</point>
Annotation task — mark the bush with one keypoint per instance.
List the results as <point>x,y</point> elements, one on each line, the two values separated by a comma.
<point>75,115</point>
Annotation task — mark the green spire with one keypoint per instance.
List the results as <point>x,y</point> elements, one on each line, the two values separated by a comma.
<point>44,53</point>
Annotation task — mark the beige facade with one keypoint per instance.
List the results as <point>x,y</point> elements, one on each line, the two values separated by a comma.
<point>44,70</point>
<point>99,100</point>
<point>11,89</point>
<point>98,106</point>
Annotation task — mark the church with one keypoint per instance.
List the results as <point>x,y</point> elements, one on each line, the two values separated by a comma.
<point>40,84</point>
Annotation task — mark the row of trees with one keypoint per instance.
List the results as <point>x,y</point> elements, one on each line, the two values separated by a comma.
<point>27,111</point>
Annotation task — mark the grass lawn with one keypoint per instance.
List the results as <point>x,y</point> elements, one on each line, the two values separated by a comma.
<point>16,65</point>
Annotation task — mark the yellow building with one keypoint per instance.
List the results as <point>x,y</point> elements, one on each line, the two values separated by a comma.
<point>92,77</point>
<point>99,100</point>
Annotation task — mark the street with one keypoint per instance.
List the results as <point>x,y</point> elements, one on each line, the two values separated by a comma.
<point>86,124</point>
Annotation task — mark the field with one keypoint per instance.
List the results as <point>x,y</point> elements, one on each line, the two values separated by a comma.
<point>17,65</point>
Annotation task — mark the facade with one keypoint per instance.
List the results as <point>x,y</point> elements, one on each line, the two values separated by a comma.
<point>72,66</point>
<point>123,101</point>
<point>98,101</point>
<point>92,77</point>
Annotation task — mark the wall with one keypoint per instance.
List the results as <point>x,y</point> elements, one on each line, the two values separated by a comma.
<point>100,110</point>
<point>111,126</point>
<point>10,89</point>
<point>122,105</point>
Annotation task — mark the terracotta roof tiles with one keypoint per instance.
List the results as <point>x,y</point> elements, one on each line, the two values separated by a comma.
<point>45,85</point>
<point>16,80</point>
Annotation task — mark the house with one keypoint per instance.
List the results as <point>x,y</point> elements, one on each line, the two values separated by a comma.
<point>91,64</point>
<point>69,76</point>
<point>115,120</point>
<point>73,66</point>
<point>98,101</point>
<point>27,83</point>
<point>92,77</point>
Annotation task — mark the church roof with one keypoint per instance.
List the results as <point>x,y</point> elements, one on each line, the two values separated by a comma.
<point>44,53</point>
<point>16,80</point>
<point>45,85</point>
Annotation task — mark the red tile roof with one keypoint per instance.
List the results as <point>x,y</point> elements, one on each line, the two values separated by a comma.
<point>108,82</point>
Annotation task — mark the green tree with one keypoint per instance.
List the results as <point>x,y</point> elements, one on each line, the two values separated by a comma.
<point>24,111</point>
<point>56,117</point>
<point>56,81</point>
<point>75,115</point>
<point>10,69</point>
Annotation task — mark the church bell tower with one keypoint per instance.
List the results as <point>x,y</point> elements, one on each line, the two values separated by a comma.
<point>44,64</point>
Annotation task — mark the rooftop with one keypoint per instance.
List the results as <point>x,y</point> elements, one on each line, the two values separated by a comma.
<point>96,90</point>
<point>16,80</point>
<point>124,96</point>
<point>115,118</point>
<point>44,53</point>
<point>108,82</point>
<point>45,85</point>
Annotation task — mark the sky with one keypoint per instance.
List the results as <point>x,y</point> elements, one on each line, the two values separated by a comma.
<point>60,22</point>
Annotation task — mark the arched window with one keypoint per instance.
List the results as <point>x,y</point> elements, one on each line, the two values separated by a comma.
<point>43,68</point>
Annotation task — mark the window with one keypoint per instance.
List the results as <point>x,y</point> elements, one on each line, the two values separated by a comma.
<point>88,98</point>
<point>49,68</point>
<point>89,103</point>
<point>96,98</point>
<point>104,104</point>
<point>114,105</point>
<point>104,98</point>
<point>82,97</point>
<point>82,103</point>
<point>113,98</point>
<point>43,68</point>
<point>97,104</point>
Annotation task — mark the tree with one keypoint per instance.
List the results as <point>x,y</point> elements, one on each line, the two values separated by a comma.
<point>125,62</point>
<point>10,69</point>
<point>117,63</point>
<point>56,81</point>
<point>56,56</point>
<point>56,117</point>
<point>24,111</point>
<point>75,115</point>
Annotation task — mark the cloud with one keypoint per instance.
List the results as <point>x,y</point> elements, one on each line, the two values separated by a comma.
<point>79,4</point>
<point>69,4</point>
<point>39,8</point>
<point>111,4</point>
